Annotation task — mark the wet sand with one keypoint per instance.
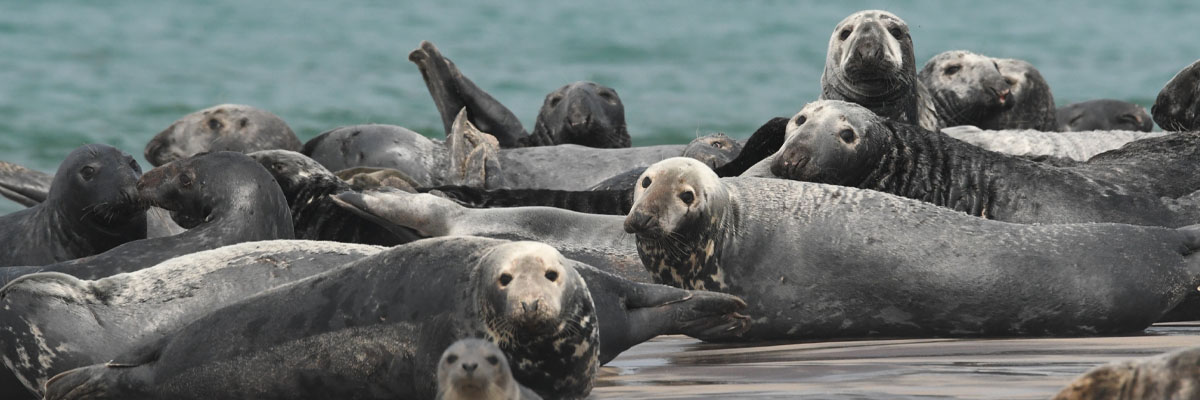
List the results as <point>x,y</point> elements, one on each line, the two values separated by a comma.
<point>678,367</point>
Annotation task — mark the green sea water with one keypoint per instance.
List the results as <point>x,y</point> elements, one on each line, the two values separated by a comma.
<point>118,72</point>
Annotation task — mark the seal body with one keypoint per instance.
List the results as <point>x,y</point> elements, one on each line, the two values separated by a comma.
<point>1074,146</point>
<point>870,62</point>
<point>376,328</point>
<point>225,127</point>
<point>56,322</point>
<point>476,369</point>
<point>1172,375</point>
<point>1103,115</point>
<point>221,198</point>
<point>845,144</point>
<point>839,262</point>
<point>90,208</point>
<point>1177,107</point>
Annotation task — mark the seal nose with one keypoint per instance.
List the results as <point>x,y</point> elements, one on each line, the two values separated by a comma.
<point>1004,96</point>
<point>470,367</point>
<point>637,221</point>
<point>531,306</point>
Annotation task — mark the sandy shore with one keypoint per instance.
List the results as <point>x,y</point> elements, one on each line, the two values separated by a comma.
<point>677,367</point>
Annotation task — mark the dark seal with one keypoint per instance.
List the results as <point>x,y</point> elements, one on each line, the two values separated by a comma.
<point>1033,102</point>
<point>225,127</point>
<point>1177,107</point>
<point>1103,115</point>
<point>840,262</point>
<point>91,207</point>
<point>966,89</point>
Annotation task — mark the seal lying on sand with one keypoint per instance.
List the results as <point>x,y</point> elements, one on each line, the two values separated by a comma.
<point>521,295</point>
<point>1177,107</point>
<point>477,369</point>
<point>582,113</point>
<point>91,207</point>
<point>469,157</point>
<point>1103,115</point>
<point>1175,375</point>
<point>225,127</point>
<point>845,144</point>
<point>54,322</point>
<point>841,262</point>
<point>221,198</point>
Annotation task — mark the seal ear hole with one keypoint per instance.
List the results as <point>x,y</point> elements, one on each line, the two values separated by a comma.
<point>214,124</point>
<point>185,180</point>
<point>846,135</point>
<point>493,360</point>
<point>845,34</point>
<point>687,197</point>
<point>552,275</point>
<point>505,279</point>
<point>953,69</point>
<point>646,182</point>
<point>87,172</point>
<point>450,359</point>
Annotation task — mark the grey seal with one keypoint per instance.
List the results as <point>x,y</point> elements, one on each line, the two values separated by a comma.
<point>1077,146</point>
<point>224,127</point>
<point>1103,115</point>
<point>1177,107</point>
<point>1173,375</point>
<point>91,207</point>
<point>475,369</point>
<point>1033,102</point>
<point>583,113</point>
<point>839,262</point>
<point>966,89</point>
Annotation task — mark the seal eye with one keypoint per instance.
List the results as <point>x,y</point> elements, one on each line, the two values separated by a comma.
<point>953,69</point>
<point>646,182</point>
<point>717,145</point>
<point>607,95</point>
<point>552,275</point>
<point>87,173</point>
<point>554,100</point>
<point>688,197</point>
<point>242,123</point>
<point>277,166</point>
<point>1010,81</point>
<point>214,124</point>
<point>845,34</point>
<point>185,180</point>
<point>493,360</point>
<point>846,135</point>
<point>896,32</point>
<point>800,120</point>
<point>450,359</point>
<point>134,164</point>
<point>505,279</point>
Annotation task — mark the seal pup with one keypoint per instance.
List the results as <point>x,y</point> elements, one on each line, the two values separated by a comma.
<point>224,127</point>
<point>1103,115</point>
<point>840,262</point>
<point>220,198</point>
<point>475,369</point>
<point>91,207</point>
<point>470,157</point>
<point>582,113</point>
<point>966,89</point>
<point>842,143</point>
<point>374,329</point>
<point>1177,107</point>
<point>1033,103</point>
<point>1174,375</point>
<point>308,187</point>
<point>55,322</point>
<point>870,62</point>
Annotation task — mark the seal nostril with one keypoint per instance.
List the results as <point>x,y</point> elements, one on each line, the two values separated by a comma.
<point>469,367</point>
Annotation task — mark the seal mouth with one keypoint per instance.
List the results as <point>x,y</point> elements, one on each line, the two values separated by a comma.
<point>790,166</point>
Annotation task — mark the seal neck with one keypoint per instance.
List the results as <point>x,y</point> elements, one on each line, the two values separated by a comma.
<point>690,257</point>
<point>75,230</point>
<point>897,100</point>
<point>931,167</point>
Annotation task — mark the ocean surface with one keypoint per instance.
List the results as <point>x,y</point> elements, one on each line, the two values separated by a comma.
<point>74,72</point>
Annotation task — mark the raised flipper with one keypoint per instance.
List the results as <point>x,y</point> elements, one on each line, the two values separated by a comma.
<point>609,202</point>
<point>474,155</point>
<point>451,92</point>
<point>765,141</point>
<point>23,185</point>
<point>632,312</point>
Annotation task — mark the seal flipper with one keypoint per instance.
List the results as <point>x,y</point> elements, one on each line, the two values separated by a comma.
<point>765,141</point>
<point>95,382</point>
<point>25,186</point>
<point>473,153</point>
<point>607,202</point>
<point>451,91</point>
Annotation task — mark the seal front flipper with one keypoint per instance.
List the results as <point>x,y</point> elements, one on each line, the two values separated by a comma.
<point>23,185</point>
<point>765,141</point>
<point>451,91</point>
<point>474,154</point>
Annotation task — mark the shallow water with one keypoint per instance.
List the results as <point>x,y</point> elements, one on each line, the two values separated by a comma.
<point>677,367</point>
<point>77,71</point>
